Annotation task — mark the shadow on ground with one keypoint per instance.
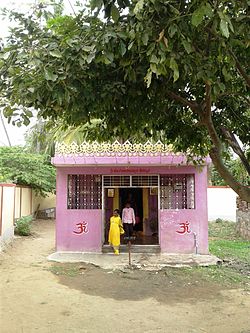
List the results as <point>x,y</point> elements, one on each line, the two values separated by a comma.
<point>166,286</point>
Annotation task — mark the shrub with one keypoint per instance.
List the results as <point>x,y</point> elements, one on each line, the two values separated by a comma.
<point>218,220</point>
<point>23,224</point>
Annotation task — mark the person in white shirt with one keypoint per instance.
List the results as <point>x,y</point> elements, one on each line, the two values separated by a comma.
<point>128,220</point>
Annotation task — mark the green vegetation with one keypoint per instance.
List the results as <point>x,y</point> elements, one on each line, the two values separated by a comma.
<point>225,243</point>
<point>175,68</point>
<point>237,169</point>
<point>23,225</point>
<point>19,166</point>
<point>66,269</point>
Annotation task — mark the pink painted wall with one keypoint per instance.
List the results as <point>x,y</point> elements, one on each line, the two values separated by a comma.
<point>173,239</point>
<point>170,240</point>
<point>67,228</point>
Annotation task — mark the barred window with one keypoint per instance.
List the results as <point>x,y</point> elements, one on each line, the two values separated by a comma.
<point>84,192</point>
<point>142,181</point>
<point>177,191</point>
<point>116,181</point>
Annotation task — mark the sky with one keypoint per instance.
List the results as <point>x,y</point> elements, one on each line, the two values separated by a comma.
<point>16,134</point>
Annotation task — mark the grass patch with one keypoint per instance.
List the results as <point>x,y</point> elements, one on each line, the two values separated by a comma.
<point>233,250</point>
<point>221,229</point>
<point>225,243</point>
<point>65,269</point>
<point>225,275</point>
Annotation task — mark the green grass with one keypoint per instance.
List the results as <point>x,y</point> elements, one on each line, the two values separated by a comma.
<point>65,269</point>
<point>222,230</point>
<point>236,250</point>
<point>225,243</point>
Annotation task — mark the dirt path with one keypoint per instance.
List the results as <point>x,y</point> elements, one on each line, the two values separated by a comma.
<point>38,296</point>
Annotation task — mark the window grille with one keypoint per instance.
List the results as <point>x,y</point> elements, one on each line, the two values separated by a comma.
<point>144,181</point>
<point>118,181</point>
<point>177,191</point>
<point>84,192</point>
<point>130,181</point>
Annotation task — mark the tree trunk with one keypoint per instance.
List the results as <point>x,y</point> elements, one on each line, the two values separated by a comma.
<point>216,151</point>
<point>241,190</point>
<point>204,112</point>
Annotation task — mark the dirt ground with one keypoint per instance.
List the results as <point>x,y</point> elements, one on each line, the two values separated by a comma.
<point>40,296</point>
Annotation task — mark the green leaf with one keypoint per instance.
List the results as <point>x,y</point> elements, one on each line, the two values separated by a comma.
<point>122,48</point>
<point>172,30</point>
<point>224,28</point>
<point>130,45</point>
<point>153,68</point>
<point>90,57</point>
<point>208,10</point>
<point>87,48</point>
<point>145,38</point>
<point>173,65</point>
<point>49,75</point>
<point>197,16</point>
<point>95,4</point>
<point>138,6</point>
<point>7,111</point>
<point>109,55</point>
<point>115,13</point>
<point>56,54</point>
<point>28,113</point>
<point>4,55</point>
<point>187,46</point>
<point>200,13</point>
<point>148,78</point>
<point>154,59</point>
<point>226,75</point>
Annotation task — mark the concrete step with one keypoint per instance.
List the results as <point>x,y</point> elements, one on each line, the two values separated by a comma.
<point>134,249</point>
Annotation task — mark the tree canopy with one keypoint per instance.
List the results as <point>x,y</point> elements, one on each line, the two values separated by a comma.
<point>178,68</point>
<point>24,168</point>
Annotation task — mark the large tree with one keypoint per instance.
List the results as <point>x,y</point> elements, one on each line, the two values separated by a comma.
<point>178,68</point>
<point>20,166</point>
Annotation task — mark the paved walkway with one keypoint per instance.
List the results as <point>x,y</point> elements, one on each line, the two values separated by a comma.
<point>139,260</point>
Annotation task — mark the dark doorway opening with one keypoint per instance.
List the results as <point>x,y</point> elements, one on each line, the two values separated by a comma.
<point>134,197</point>
<point>146,228</point>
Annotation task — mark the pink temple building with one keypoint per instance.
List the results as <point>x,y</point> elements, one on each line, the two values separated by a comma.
<point>167,192</point>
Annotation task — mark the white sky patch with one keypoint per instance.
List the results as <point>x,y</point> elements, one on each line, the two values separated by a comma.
<point>16,134</point>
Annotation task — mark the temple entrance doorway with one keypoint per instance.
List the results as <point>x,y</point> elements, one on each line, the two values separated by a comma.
<point>144,201</point>
<point>134,197</point>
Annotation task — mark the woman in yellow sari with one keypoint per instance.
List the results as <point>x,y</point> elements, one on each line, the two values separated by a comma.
<point>115,231</point>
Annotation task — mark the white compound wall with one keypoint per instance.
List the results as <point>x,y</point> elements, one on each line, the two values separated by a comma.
<point>221,203</point>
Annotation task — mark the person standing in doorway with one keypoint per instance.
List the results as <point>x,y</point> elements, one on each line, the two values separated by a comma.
<point>128,220</point>
<point>115,231</point>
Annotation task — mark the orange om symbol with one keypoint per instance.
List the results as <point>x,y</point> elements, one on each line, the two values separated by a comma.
<point>82,228</point>
<point>184,228</point>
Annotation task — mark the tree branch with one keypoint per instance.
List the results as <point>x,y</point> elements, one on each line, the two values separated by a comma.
<point>216,151</point>
<point>183,101</point>
<point>235,94</point>
<point>230,138</point>
<point>240,68</point>
<point>241,190</point>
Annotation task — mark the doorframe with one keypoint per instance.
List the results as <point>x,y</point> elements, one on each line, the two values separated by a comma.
<point>103,199</point>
